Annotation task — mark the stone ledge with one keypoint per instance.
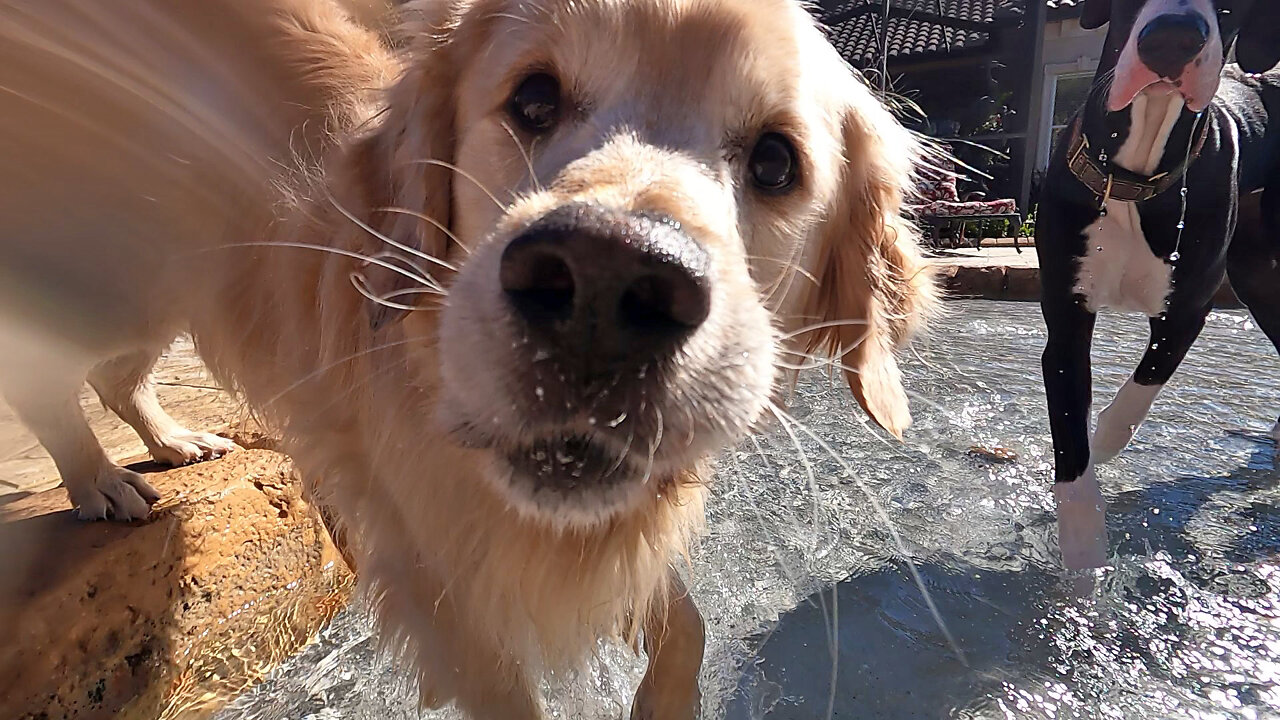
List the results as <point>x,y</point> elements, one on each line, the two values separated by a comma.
<point>998,281</point>
<point>232,573</point>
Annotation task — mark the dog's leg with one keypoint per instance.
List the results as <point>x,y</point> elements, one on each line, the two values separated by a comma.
<point>1082,530</point>
<point>47,401</point>
<point>673,638</point>
<point>1253,264</point>
<point>1171,338</point>
<point>1118,421</point>
<point>125,385</point>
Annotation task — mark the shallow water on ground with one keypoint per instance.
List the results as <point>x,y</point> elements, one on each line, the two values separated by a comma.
<point>810,606</point>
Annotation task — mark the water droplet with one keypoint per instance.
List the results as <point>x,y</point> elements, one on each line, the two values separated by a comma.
<point>539,392</point>
<point>541,355</point>
<point>1182,225</point>
<point>1175,257</point>
<point>591,420</point>
<point>1099,248</point>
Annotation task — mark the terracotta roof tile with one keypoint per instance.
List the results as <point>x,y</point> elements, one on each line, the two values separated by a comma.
<point>857,38</point>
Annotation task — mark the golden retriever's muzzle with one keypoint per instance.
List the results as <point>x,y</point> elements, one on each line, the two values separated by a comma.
<point>605,299</point>
<point>601,302</point>
<point>593,356</point>
<point>602,293</point>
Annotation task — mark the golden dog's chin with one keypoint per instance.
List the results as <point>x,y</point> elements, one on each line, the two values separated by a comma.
<point>571,483</point>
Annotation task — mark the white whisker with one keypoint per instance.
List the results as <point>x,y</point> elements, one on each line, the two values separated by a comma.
<point>427,219</point>
<point>360,284</point>
<point>789,266</point>
<point>810,475</point>
<point>394,256</point>
<point>401,246</point>
<point>820,362</point>
<point>465,174</point>
<point>327,367</point>
<point>890,527</point>
<point>528,160</point>
<point>336,251</point>
<point>821,326</point>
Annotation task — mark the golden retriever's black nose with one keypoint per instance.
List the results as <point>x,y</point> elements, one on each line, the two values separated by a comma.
<point>1172,40</point>
<point>590,281</point>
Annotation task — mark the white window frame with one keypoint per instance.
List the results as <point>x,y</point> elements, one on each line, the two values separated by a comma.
<point>1052,73</point>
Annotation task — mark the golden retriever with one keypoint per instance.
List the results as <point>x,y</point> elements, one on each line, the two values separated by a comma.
<point>504,292</point>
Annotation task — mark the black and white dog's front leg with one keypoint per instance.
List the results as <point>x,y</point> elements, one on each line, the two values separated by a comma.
<point>1171,338</point>
<point>1082,530</point>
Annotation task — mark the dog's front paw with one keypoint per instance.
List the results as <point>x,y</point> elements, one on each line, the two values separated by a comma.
<point>1082,522</point>
<point>116,494</point>
<point>185,447</point>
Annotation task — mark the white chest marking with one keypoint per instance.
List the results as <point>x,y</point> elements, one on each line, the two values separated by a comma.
<point>1118,270</point>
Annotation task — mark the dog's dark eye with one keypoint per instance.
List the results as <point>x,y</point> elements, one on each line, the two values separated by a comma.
<point>773,163</point>
<point>536,103</point>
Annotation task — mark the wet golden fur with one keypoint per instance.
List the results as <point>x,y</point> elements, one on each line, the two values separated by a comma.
<point>486,584</point>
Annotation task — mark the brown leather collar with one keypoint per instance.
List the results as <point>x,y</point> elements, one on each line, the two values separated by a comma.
<point>1108,180</point>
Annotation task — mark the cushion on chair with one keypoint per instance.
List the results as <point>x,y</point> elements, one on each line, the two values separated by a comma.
<point>947,208</point>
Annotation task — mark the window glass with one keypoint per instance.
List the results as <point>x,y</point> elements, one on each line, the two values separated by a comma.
<point>1069,93</point>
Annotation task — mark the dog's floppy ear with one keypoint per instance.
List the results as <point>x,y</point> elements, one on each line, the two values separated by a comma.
<point>873,287</point>
<point>1258,46</point>
<point>1095,14</point>
<point>403,165</point>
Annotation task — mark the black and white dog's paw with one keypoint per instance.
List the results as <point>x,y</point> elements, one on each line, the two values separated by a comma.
<point>1082,522</point>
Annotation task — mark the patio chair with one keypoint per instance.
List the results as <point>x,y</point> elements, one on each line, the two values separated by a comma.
<point>942,207</point>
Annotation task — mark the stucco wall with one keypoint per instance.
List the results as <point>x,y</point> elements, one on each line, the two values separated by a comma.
<point>1068,49</point>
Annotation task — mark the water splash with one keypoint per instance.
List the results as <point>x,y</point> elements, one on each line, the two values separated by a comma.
<point>1186,626</point>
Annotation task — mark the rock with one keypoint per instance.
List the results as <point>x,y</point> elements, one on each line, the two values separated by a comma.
<point>994,454</point>
<point>232,573</point>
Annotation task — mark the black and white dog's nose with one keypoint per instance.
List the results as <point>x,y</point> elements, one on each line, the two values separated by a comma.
<point>1170,41</point>
<point>594,284</point>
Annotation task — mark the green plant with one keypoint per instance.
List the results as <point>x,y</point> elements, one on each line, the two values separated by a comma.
<point>1029,224</point>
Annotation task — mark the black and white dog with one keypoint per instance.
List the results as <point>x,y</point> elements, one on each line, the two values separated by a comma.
<point>1168,178</point>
